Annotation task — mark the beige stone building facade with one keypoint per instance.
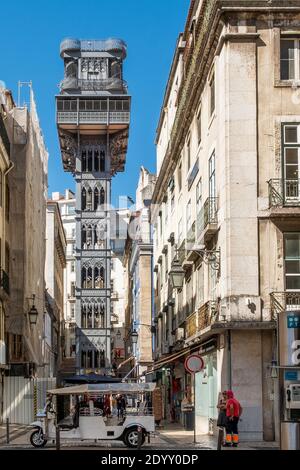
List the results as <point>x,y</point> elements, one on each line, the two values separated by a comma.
<point>54,279</point>
<point>25,255</point>
<point>138,260</point>
<point>226,203</point>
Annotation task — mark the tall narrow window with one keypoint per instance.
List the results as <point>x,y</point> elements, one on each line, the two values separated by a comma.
<point>90,161</point>
<point>189,216</point>
<point>291,157</point>
<point>83,199</point>
<point>89,200</point>
<point>199,196</point>
<point>102,161</point>
<point>212,176</point>
<point>96,160</point>
<point>83,161</point>
<point>292,261</point>
<point>289,59</point>
<point>212,94</point>
<point>96,198</point>
<point>102,197</point>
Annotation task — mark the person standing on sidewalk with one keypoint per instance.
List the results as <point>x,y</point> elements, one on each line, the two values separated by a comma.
<point>233,413</point>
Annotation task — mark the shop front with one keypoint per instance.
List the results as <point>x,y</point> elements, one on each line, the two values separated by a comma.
<point>206,390</point>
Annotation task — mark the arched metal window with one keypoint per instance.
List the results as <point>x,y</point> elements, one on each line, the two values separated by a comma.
<point>83,199</point>
<point>89,200</point>
<point>90,160</point>
<point>99,277</point>
<point>96,160</point>
<point>102,160</point>
<point>102,196</point>
<point>96,198</point>
<point>83,161</point>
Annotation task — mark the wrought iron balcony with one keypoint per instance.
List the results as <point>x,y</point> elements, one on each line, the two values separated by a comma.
<point>284,192</point>
<point>207,219</point>
<point>204,317</point>
<point>284,301</point>
<point>5,281</point>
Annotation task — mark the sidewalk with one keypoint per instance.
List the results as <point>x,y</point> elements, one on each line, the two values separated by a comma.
<point>176,435</point>
<point>17,432</point>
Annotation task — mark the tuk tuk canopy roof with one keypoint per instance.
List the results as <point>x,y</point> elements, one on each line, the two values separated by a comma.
<point>105,388</point>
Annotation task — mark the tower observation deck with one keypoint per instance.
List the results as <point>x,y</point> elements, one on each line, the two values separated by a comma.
<point>92,116</point>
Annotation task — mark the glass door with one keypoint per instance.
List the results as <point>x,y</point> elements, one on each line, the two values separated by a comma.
<point>291,164</point>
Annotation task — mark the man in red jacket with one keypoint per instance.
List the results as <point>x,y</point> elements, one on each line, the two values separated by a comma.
<point>233,413</point>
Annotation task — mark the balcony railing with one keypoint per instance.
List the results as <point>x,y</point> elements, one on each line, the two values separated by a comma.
<point>5,281</point>
<point>284,302</point>
<point>93,117</point>
<point>284,192</point>
<point>207,215</point>
<point>107,84</point>
<point>204,317</point>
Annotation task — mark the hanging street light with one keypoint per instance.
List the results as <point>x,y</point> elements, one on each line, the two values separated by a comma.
<point>33,313</point>
<point>176,275</point>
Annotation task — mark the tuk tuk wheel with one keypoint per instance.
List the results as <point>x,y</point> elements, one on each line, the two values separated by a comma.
<point>37,438</point>
<point>131,437</point>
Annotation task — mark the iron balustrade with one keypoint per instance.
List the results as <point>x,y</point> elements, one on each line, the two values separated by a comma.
<point>5,281</point>
<point>202,318</point>
<point>208,214</point>
<point>96,117</point>
<point>284,192</point>
<point>284,301</point>
<point>70,83</point>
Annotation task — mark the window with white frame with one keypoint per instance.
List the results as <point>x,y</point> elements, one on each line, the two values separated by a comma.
<point>291,161</point>
<point>199,196</point>
<point>292,261</point>
<point>179,177</point>
<point>212,176</point>
<point>290,58</point>
<point>188,153</point>
<point>180,231</point>
<point>189,216</point>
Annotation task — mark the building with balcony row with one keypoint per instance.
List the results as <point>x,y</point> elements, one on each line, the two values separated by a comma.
<point>226,207</point>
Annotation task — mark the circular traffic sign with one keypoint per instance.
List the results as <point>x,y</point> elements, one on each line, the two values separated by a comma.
<point>194,363</point>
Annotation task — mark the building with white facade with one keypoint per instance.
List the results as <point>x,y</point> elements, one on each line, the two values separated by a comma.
<point>226,208</point>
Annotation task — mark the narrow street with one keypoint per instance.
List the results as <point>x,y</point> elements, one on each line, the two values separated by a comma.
<point>168,437</point>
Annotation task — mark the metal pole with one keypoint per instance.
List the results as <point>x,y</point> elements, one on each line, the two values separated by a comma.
<point>195,439</point>
<point>7,430</point>
<point>57,440</point>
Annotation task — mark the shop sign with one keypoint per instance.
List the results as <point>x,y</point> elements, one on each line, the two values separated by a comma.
<point>194,363</point>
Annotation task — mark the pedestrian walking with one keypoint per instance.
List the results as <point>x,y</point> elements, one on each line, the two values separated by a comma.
<point>222,420</point>
<point>233,413</point>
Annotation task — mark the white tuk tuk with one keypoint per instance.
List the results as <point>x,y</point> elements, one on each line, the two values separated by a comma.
<point>112,411</point>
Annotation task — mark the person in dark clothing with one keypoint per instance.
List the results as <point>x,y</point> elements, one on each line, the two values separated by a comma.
<point>121,405</point>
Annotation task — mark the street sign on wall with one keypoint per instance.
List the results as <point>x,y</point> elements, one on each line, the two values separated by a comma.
<point>194,363</point>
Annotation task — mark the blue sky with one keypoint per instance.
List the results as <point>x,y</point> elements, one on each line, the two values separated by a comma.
<point>29,50</point>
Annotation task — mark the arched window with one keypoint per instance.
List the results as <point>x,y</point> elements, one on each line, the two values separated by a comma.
<point>96,160</point>
<point>83,237</point>
<point>89,200</point>
<point>83,160</point>
<point>89,280</point>
<point>90,316</point>
<point>99,277</point>
<point>102,196</point>
<point>83,277</point>
<point>97,360</point>
<point>89,237</point>
<point>96,198</point>
<point>83,317</point>
<point>102,160</point>
<point>90,160</point>
<point>83,199</point>
<point>102,358</point>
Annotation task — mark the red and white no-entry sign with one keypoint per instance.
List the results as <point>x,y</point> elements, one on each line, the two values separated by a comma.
<point>194,363</point>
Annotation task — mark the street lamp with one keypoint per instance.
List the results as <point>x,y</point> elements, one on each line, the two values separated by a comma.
<point>134,337</point>
<point>176,274</point>
<point>33,313</point>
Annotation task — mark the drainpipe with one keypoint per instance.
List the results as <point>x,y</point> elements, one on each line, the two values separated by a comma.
<point>229,367</point>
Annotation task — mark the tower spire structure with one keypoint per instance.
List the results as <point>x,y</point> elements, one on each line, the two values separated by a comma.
<point>92,116</point>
